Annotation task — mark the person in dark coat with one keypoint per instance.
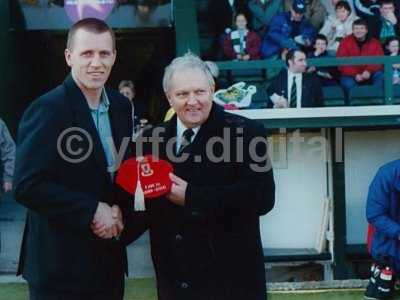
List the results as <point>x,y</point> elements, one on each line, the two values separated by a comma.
<point>65,172</point>
<point>292,87</point>
<point>128,89</point>
<point>205,235</point>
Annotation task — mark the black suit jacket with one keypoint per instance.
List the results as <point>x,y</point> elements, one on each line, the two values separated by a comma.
<point>211,248</point>
<point>311,95</point>
<point>59,251</point>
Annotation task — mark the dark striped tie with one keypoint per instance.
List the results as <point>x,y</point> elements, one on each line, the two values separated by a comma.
<point>293,93</point>
<point>185,140</point>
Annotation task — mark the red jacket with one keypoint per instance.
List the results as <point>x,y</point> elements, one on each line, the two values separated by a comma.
<point>348,47</point>
<point>253,45</point>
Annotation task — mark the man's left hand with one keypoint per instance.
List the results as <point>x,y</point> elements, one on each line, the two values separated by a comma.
<point>178,190</point>
<point>391,17</point>
<point>366,75</point>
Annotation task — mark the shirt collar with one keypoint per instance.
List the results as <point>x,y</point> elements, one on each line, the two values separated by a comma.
<point>291,74</point>
<point>180,128</point>
<point>104,102</point>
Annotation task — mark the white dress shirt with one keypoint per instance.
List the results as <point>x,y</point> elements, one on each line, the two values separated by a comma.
<point>299,82</point>
<point>180,129</point>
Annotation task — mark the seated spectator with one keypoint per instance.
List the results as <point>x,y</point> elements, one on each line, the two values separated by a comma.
<point>385,25</point>
<point>221,16</point>
<point>242,44</point>
<point>330,5</point>
<point>263,11</point>
<point>149,13</point>
<point>315,11</point>
<point>288,30</point>
<point>293,87</point>
<point>392,49</point>
<point>337,26</point>
<point>359,44</point>
<point>325,74</point>
<point>127,88</point>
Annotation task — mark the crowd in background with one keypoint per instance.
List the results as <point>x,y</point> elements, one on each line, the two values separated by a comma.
<point>269,29</point>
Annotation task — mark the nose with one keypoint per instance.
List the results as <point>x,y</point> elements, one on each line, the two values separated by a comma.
<point>191,99</point>
<point>95,62</point>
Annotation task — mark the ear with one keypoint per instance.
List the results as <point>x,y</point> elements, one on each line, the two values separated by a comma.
<point>212,88</point>
<point>67,54</point>
<point>168,98</point>
<point>115,56</point>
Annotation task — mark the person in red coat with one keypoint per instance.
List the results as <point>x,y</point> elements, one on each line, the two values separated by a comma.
<point>242,44</point>
<point>360,44</point>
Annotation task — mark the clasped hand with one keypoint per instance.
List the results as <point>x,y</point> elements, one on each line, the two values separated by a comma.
<point>107,222</point>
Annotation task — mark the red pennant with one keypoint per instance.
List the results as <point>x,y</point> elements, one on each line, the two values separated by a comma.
<point>154,176</point>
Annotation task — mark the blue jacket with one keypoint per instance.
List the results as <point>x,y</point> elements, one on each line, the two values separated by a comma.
<point>278,35</point>
<point>383,212</point>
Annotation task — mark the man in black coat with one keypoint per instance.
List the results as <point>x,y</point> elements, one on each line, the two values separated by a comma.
<point>292,87</point>
<point>64,176</point>
<point>205,235</point>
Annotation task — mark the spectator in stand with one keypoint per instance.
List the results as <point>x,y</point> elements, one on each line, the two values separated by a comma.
<point>222,13</point>
<point>339,25</point>
<point>325,74</point>
<point>315,11</point>
<point>262,12</point>
<point>127,88</point>
<point>392,49</point>
<point>360,44</point>
<point>293,87</point>
<point>242,43</point>
<point>288,30</point>
<point>330,5</point>
<point>386,24</point>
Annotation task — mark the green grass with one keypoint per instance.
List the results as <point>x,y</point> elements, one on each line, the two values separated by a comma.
<point>144,289</point>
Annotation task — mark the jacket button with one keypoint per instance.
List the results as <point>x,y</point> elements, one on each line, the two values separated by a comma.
<point>178,238</point>
<point>184,285</point>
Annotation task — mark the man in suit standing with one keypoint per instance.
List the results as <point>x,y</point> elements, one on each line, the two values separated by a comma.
<point>205,235</point>
<point>292,87</point>
<point>65,172</point>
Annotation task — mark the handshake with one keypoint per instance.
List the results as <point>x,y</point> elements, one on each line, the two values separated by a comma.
<point>107,221</point>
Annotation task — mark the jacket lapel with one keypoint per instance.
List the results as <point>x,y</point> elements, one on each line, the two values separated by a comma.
<point>84,120</point>
<point>117,127</point>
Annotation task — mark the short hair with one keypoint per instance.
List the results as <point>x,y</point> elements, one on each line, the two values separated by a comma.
<point>241,13</point>
<point>388,41</point>
<point>359,22</point>
<point>343,4</point>
<point>383,2</point>
<point>322,37</point>
<point>92,25</point>
<point>291,53</point>
<point>213,67</point>
<point>126,84</point>
<point>189,61</point>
